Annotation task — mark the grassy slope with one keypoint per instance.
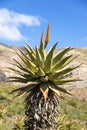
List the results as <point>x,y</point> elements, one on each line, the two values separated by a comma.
<point>14,106</point>
<point>75,109</point>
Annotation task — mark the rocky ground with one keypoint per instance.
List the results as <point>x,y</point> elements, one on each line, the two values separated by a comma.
<point>79,89</point>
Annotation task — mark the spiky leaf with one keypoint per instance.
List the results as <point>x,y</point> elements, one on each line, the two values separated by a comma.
<point>59,56</point>
<point>49,59</point>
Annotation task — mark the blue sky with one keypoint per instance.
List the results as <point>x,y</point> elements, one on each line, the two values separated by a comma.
<point>22,20</point>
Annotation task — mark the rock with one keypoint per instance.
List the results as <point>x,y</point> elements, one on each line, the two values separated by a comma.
<point>2,77</point>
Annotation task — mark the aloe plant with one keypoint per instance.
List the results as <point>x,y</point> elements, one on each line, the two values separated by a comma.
<point>44,75</point>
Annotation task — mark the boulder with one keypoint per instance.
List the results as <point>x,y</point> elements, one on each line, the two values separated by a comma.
<point>2,77</point>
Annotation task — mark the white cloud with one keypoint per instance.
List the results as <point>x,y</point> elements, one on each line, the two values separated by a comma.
<point>10,22</point>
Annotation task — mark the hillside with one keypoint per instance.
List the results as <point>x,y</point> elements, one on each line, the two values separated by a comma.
<point>7,54</point>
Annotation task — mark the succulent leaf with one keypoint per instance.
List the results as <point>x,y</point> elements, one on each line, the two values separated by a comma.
<point>67,80</point>
<point>59,56</point>
<point>63,90</point>
<point>62,73</point>
<point>31,55</point>
<point>41,72</point>
<point>31,49</point>
<point>53,88</point>
<point>39,58</point>
<point>18,79</point>
<point>64,62</point>
<point>23,90</point>
<point>49,59</point>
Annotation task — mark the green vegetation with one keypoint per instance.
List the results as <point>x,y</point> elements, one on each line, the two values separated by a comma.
<point>13,106</point>
<point>78,109</point>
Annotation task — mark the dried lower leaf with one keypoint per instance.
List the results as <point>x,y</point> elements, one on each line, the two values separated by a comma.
<point>44,89</point>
